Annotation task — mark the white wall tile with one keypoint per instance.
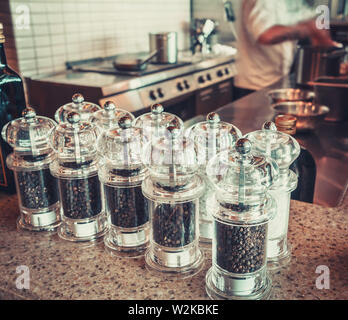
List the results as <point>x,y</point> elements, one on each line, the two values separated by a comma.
<point>58,49</point>
<point>24,42</point>
<point>42,41</point>
<point>55,29</point>
<point>52,6</point>
<point>55,18</point>
<point>38,18</point>
<point>58,39</point>
<point>63,30</point>
<point>27,64</point>
<point>23,32</point>
<point>37,7</point>
<point>43,52</point>
<point>25,53</point>
<point>40,29</point>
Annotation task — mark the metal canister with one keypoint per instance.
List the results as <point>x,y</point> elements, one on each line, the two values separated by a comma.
<point>314,62</point>
<point>286,123</point>
<point>166,44</point>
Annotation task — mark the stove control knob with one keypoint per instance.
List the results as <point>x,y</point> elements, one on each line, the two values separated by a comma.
<point>201,79</point>
<point>187,86</point>
<point>160,92</point>
<point>227,71</point>
<point>179,86</point>
<point>208,77</point>
<point>152,95</point>
<point>219,73</point>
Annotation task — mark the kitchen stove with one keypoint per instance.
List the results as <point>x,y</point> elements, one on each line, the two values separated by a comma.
<point>175,86</point>
<point>105,65</point>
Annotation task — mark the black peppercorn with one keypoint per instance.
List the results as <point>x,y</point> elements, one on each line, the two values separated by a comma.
<point>37,189</point>
<point>126,206</point>
<point>81,198</point>
<point>174,224</point>
<point>240,249</point>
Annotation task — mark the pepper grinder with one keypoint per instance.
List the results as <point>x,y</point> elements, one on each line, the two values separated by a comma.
<point>37,189</point>
<point>122,172</point>
<point>173,189</point>
<point>211,137</point>
<point>241,179</point>
<point>79,105</point>
<point>83,216</point>
<point>284,149</point>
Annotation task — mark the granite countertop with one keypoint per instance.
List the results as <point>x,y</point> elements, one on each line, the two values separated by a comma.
<point>64,270</point>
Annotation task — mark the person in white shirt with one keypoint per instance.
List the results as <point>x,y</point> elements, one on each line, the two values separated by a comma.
<point>268,31</point>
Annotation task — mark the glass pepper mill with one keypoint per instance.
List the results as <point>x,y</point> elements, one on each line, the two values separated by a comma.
<point>108,117</point>
<point>284,149</point>
<point>154,124</point>
<point>239,255</point>
<point>79,105</point>
<point>211,137</point>
<point>83,217</point>
<point>173,189</point>
<point>37,189</point>
<point>121,171</point>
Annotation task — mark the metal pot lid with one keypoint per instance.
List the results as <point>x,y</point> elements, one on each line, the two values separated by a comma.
<point>212,136</point>
<point>30,133</point>
<point>109,116</point>
<point>79,105</point>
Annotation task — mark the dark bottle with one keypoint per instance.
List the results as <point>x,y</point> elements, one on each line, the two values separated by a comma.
<point>12,102</point>
<point>304,166</point>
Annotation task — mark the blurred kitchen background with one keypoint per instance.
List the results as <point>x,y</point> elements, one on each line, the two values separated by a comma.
<point>48,42</point>
<point>41,36</point>
<point>60,30</point>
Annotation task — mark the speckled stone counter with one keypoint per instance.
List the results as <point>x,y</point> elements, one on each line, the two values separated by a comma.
<point>63,270</point>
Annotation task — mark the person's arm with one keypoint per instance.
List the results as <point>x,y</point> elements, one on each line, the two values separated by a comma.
<point>278,34</point>
<point>307,29</point>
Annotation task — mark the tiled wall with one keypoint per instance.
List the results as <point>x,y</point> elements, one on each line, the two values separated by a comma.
<point>63,30</point>
<point>10,48</point>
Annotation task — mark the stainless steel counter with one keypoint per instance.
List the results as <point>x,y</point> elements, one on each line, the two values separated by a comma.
<point>328,143</point>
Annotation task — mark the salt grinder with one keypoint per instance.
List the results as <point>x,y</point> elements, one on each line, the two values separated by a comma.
<point>284,149</point>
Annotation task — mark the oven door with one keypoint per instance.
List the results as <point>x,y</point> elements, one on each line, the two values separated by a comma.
<point>182,106</point>
<point>213,97</point>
